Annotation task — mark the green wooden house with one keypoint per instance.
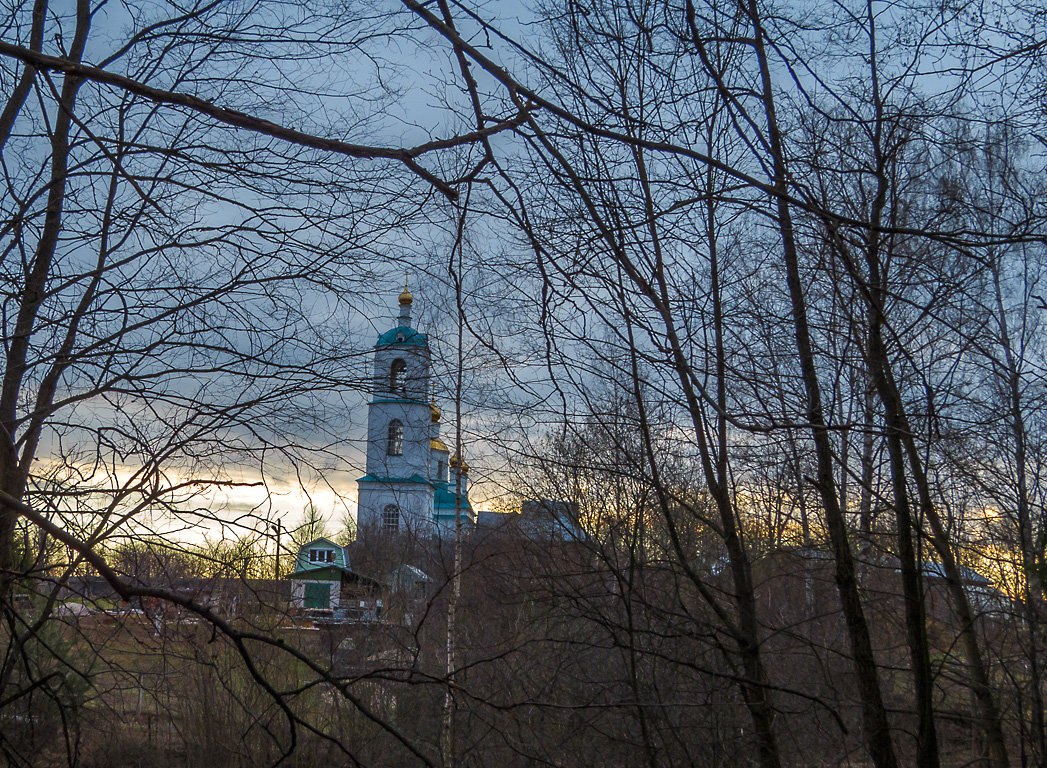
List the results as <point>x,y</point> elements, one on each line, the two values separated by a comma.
<point>323,579</point>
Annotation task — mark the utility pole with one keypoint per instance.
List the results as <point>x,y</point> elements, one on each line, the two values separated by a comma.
<point>276,528</point>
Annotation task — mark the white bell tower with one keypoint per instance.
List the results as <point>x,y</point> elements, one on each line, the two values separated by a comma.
<point>407,484</point>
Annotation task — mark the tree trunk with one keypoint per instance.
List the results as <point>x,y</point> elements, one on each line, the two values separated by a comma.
<point>13,468</point>
<point>874,714</point>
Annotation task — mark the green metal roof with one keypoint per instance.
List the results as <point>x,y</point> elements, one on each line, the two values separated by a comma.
<point>326,572</point>
<point>410,337</point>
<point>333,573</point>
<point>411,479</point>
<point>341,557</point>
<point>444,499</point>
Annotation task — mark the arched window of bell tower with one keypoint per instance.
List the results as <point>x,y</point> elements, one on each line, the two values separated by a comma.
<point>391,517</point>
<point>396,375</point>
<point>395,443</point>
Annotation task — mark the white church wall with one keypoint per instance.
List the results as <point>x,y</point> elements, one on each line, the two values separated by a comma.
<point>405,478</point>
<point>414,500</point>
<point>414,460</point>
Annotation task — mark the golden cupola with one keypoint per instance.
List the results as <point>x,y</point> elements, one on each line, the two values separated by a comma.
<point>406,299</point>
<point>435,412</point>
<point>457,462</point>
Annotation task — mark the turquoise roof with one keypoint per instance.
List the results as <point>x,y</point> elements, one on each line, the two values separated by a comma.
<point>411,479</point>
<point>320,573</point>
<point>444,498</point>
<point>411,337</point>
<point>333,573</point>
<point>341,557</point>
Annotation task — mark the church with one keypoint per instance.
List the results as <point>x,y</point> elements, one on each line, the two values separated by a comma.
<point>411,478</point>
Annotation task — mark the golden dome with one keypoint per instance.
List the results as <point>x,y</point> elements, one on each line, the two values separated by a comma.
<point>436,444</point>
<point>405,296</point>
<point>455,461</point>
<point>436,414</point>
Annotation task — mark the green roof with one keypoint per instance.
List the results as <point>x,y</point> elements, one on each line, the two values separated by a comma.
<point>408,337</point>
<point>322,573</point>
<point>333,573</point>
<point>411,479</point>
<point>341,557</point>
<point>444,499</point>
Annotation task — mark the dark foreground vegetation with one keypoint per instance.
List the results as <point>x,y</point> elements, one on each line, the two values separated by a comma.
<point>583,653</point>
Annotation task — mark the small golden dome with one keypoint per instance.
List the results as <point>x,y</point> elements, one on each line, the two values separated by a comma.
<point>436,414</point>
<point>436,444</point>
<point>405,296</point>
<point>455,461</point>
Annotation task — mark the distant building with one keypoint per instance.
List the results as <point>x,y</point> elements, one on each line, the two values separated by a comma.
<point>798,580</point>
<point>984,598</point>
<point>411,478</point>
<point>322,579</point>
<point>411,580</point>
<point>539,520</point>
